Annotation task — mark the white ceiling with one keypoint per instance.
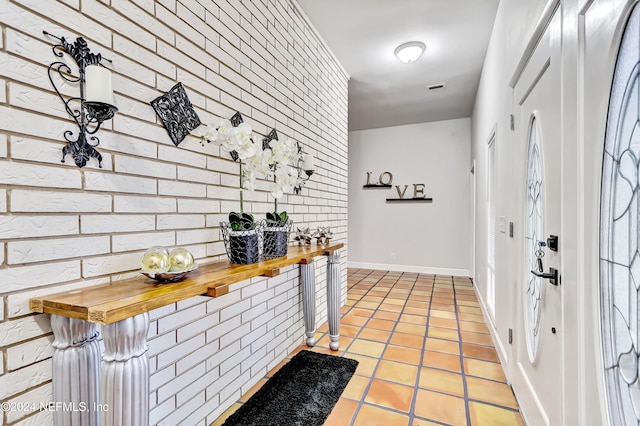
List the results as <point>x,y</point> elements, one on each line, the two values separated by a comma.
<point>385,92</point>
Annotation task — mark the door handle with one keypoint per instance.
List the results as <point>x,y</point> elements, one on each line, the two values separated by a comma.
<point>552,275</point>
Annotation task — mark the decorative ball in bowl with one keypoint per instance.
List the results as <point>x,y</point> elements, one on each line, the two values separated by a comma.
<point>164,266</point>
<point>170,277</point>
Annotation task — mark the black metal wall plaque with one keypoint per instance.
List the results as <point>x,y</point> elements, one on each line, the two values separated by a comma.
<point>273,135</point>
<point>176,113</point>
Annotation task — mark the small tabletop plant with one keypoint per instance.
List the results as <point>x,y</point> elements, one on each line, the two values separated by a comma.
<point>276,163</point>
<point>276,219</point>
<point>235,138</point>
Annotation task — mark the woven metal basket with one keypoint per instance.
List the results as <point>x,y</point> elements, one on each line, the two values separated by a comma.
<point>275,240</point>
<point>243,247</point>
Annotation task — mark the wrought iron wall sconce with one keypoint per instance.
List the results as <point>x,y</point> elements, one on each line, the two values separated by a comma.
<point>96,102</point>
<point>305,165</point>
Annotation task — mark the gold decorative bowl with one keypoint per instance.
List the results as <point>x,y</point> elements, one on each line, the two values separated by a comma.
<point>170,277</point>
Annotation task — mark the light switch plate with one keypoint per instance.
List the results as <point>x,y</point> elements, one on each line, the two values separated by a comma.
<point>502,223</point>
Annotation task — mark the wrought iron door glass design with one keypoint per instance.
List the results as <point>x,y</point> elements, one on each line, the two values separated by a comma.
<point>620,234</point>
<point>533,234</point>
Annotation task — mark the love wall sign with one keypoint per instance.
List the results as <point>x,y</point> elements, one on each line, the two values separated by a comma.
<point>385,180</point>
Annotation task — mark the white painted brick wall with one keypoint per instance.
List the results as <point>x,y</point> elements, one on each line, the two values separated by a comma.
<point>25,328</point>
<point>180,221</point>
<point>26,277</point>
<point>64,228</point>
<point>139,241</point>
<point>19,356</point>
<point>38,419</point>
<point>18,303</point>
<point>37,226</point>
<point>24,378</point>
<point>54,249</point>
<point>201,355</point>
<point>58,202</point>
<point>30,401</point>
<point>103,224</point>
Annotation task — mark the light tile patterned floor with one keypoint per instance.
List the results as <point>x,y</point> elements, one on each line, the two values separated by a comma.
<point>426,357</point>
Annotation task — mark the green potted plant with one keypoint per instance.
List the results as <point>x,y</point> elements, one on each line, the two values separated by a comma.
<point>275,234</point>
<point>276,162</point>
<point>241,233</point>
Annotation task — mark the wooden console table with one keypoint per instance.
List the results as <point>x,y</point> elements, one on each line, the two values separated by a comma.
<point>117,392</point>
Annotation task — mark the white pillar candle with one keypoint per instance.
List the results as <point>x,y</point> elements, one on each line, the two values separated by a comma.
<point>98,85</point>
<point>308,162</point>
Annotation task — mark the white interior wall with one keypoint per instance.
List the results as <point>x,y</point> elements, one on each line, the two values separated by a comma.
<point>414,237</point>
<point>581,394</point>
<point>491,114</point>
<point>62,227</point>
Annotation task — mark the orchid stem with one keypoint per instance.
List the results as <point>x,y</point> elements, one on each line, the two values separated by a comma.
<point>275,200</point>
<point>241,186</point>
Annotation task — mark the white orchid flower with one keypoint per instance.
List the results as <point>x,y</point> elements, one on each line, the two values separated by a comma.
<point>245,148</point>
<point>256,164</point>
<point>207,133</point>
<point>223,130</point>
<point>244,129</point>
<point>285,179</point>
<point>276,190</point>
<point>249,181</point>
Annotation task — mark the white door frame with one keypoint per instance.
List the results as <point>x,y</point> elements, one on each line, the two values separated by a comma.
<point>472,219</point>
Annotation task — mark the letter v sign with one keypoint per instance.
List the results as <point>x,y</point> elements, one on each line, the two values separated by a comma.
<point>401,193</point>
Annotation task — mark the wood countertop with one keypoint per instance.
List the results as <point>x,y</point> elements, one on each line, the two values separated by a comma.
<point>112,302</point>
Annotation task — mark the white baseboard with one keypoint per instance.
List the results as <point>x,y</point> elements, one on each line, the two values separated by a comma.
<point>491,326</point>
<point>409,268</point>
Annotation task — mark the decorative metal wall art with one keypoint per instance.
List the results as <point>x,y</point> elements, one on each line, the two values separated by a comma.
<point>273,135</point>
<point>619,236</point>
<point>384,182</point>
<point>236,120</point>
<point>176,113</point>
<point>95,104</point>
<point>533,234</point>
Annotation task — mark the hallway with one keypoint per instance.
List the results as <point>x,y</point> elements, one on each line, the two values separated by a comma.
<point>425,355</point>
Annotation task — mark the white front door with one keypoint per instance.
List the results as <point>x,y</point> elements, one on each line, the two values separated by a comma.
<point>536,370</point>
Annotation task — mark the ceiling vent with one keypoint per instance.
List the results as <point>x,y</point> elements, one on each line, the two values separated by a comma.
<point>436,86</point>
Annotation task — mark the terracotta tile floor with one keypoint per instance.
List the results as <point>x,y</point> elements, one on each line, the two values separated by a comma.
<point>426,356</point>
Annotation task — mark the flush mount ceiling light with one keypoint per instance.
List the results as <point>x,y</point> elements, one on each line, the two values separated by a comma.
<point>409,52</point>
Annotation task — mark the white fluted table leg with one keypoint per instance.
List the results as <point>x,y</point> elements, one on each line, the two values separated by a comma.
<point>76,366</point>
<point>333,298</point>
<point>124,387</point>
<point>308,281</point>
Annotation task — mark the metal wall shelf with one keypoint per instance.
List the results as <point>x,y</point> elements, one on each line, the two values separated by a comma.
<point>409,200</point>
